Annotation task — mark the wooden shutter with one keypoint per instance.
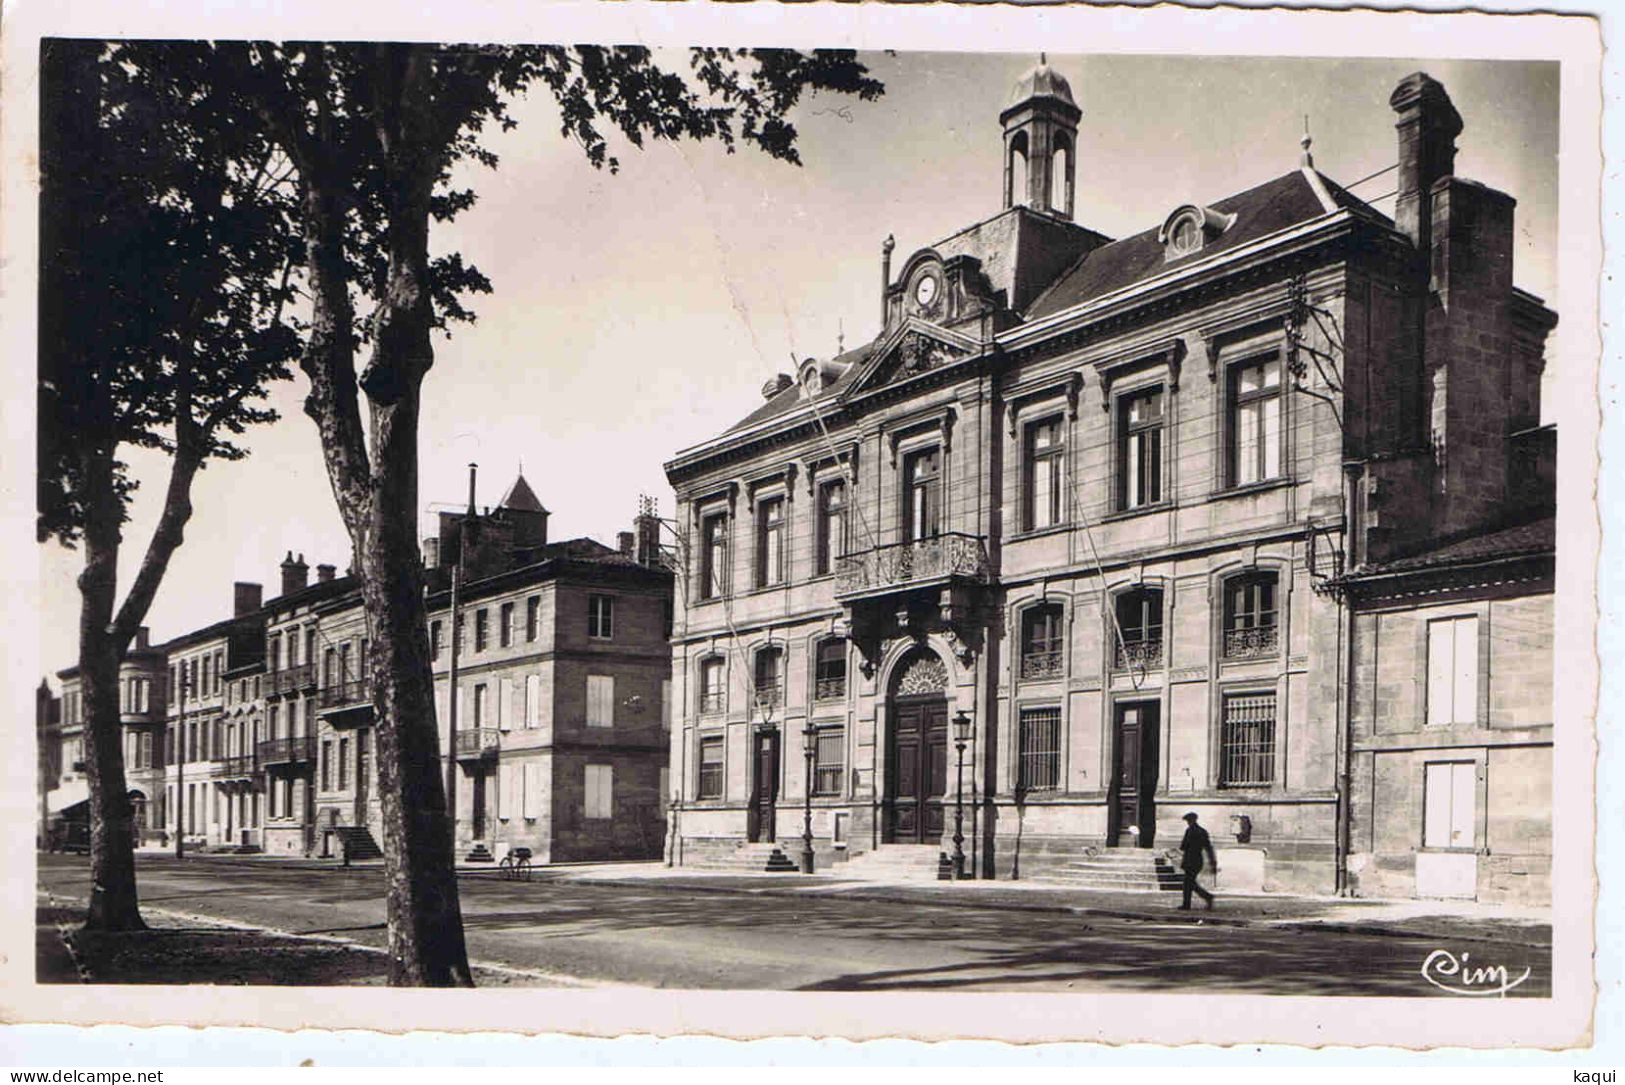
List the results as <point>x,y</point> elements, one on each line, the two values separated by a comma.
<point>506,786</point>
<point>1464,698</point>
<point>600,700</point>
<point>533,789</point>
<point>1441,647</point>
<point>600,785</point>
<point>533,700</point>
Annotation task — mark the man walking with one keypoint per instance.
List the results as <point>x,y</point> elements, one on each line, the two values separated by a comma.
<point>1196,843</point>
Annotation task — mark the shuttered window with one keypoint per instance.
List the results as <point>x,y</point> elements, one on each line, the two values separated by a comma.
<point>1449,804</point>
<point>508,785</point>
<point>1453,671</point>
<point>600,700</point>
<point>600,802</point>
<point>829,765</point>
<point>533,789</point>
<point>533,700</point>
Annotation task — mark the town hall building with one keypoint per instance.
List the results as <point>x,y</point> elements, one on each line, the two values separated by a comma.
<point>1095,532</point>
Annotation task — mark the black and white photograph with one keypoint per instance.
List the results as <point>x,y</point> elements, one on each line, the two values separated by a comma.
<point>749,509</point>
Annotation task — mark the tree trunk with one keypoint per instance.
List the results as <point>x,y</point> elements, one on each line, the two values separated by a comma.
<point>114,905</point>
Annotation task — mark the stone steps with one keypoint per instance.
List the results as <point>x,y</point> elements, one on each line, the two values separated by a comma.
<point>765,857</point>
<point>900,862</point>
<point>357,842</point>
<point>1119,869</point>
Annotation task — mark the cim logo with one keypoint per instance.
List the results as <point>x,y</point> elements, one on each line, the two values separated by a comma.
<point>1454,974</point>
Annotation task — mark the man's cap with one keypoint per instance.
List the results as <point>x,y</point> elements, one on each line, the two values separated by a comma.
<point>1190,815</point>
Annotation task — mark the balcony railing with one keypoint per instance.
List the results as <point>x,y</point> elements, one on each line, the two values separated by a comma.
<point>237,767</point>
<point>339,694</point>
<point>1041,665</point>
<point>1138,654</point>
<point>900,565</point>
<point>830,689</point>
<point>711,702</point>
<point>288,751</point>
<point>293,679</point>
<point>477,742</point>
<point>769,696</point>
<point>1255,643</point>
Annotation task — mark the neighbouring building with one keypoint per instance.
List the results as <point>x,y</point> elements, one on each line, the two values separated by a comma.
<point>256,733</point>
<point>1074,544</point>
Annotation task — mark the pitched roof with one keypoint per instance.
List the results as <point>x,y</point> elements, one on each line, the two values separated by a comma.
<point>790,397</point>
<point>1260,211</point>
<point>521,498</point>
<point>1519,540</point>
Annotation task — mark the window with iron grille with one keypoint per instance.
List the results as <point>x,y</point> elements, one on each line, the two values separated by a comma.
<point>1250,616</point>
<point>1139,621</point>
<point>710,782</point>
<point>600,617</point>
<point>1139,449</point>
<point>769,677</point>
<point>770,542</point>
<point>1255,421</point>
<point>1044,484</point>
<point>830,670</point>
<point>1247,740</point>
<point>829,761</point>
<point>1039,768</point>
<point>831,525</point>
<point>1041,641</point>
<point>712,693</point>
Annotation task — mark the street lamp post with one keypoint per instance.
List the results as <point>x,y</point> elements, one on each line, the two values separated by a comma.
<point>180,768</point>
<point>809,737</point>
<point>961,737</point>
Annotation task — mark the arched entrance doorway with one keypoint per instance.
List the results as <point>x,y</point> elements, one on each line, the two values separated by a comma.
<point>916,750</point>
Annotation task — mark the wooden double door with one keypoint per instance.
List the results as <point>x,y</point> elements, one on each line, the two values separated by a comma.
<point>916,771</point>
<point>761,818</point>
<point>1136,743</point>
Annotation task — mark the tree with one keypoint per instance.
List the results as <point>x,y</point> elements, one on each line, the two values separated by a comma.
<point>374,130</point>
<point>165,263</point>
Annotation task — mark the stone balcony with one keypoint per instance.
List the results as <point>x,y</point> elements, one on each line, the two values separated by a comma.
<point>908,566</point>
<point>477,743</point>
<point>288,751</point>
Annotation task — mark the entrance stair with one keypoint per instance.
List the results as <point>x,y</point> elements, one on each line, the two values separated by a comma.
<point>765,857</point>
<point>357,842</point>
<point>479,853</point>
<point>899,863</point>
<point>1121,869</point>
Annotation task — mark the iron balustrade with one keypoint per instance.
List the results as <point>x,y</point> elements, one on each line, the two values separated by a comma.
<point>711,702</point>
<point>830,689</point>
<point>290,679</point>
<point>769,695</point>
<point>1041,665</point>
<point>293,751</point>
<point>239,765</point>
<point>477,741</point>
<point>898,565</point>
<point>347,692</point>
<point>1137,654</point>
<point>1254,643</point>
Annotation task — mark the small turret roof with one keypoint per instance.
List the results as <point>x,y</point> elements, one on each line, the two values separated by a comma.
<point>521,498</point>
<point>1041,82</point>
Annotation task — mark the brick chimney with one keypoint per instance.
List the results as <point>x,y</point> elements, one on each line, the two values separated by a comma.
<point>143,638</point>
<point>624,542</point>
<point>246,598</point>
<point>1428,126</point>
<point>648,529</point>
<point>325,573</point>
<point>295,574</point>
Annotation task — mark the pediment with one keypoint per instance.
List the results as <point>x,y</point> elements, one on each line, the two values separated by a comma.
<point>912,348</point>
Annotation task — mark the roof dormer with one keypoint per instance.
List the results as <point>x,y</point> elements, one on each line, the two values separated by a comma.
<point>1189,228</point>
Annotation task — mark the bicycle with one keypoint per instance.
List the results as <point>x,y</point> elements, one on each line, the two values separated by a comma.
<point>515,866</point>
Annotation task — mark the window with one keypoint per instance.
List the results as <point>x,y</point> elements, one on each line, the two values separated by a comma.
<point>1247,740</point>
<point>831,525</point>
<point>1449,804</point>
<point>1249,616</point>
<point>714,556</point>
<point>769,677</point>
<point>479,705</point>
<point>344,764</point>
<point>203,690</point>
<point>829,761</point>
<point>327,766</point>
<point>532,806</point>
<point>829,670</point>
<point>666,618</point>
<point>1044,485</point>
<point>710,783</point>
<point>533,700</point>
<point>1139,453</point>
<point>1453,671</point>
<point>274,662</point>
<point>436,636</point>
<point>310,645</point>
<point>505,625</point>
<point>922,477</point>
<point>712,695</point>
<point>533,613</point>
<point>482,629</point>
<point>600,801</point>
<point>600,616</point>
<point>1041,641</point>
<point>144,752</point>
<point>1139,621</point>
<point>1255,421</point>
<point>770,542</point>
<point>1039,768</point>
<point>600,700</point>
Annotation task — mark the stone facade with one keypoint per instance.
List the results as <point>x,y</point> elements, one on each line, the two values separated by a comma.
<point>1108,491</point>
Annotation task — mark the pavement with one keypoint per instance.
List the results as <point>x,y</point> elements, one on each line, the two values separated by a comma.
<point>641,925</point>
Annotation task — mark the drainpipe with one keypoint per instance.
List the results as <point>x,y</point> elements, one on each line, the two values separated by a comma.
<point>1353,475</point>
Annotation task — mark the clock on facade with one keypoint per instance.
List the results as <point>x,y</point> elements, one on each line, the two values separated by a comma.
<point>925,291</point>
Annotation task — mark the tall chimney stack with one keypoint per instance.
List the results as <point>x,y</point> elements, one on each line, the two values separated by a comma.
<point>295,574</point>
<point>245,598</point>
<point>1428,126</point>
<point>325,573</point>
<point>473,469</point>
<point>623,542</point>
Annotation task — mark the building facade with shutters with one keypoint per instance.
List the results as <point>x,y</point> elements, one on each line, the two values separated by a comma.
<point>1096,500</point>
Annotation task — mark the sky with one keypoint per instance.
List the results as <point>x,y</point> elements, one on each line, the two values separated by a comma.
<point>640,313</point>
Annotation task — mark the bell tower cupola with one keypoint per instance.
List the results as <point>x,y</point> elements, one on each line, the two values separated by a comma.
<point>1040,142</point>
